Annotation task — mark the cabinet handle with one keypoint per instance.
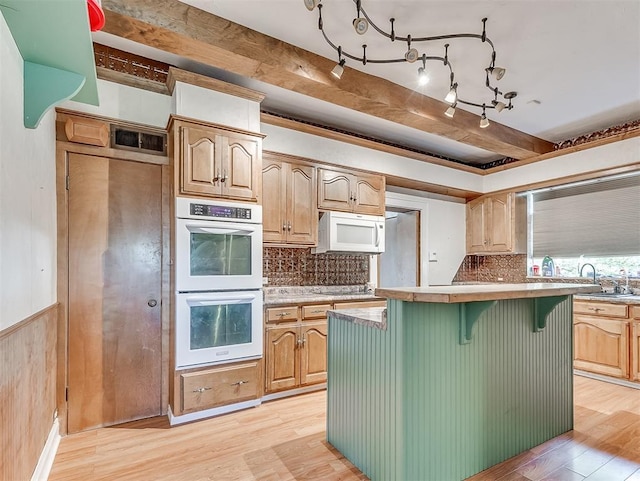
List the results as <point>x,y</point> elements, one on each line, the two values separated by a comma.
<point>202,389</point>
<point>284,226</point>
<point>282,314</point>
<point>299,342</point>
<point>289,226</point>
<point>317,311</point>
<point>239,383</point>
<point>216,178</point>
<point>595,309</point>
<point>224,178</point>
<point>304,341</point>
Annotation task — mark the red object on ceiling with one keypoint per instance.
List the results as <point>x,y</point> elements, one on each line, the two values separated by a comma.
<point>96,15</point>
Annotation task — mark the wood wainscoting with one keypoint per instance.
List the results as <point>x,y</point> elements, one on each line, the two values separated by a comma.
<point>27,391</point>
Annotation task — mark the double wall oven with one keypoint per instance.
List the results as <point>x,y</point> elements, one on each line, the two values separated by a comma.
<point>218,269</point>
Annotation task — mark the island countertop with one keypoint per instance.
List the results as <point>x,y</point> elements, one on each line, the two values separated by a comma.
<point>483,292</point>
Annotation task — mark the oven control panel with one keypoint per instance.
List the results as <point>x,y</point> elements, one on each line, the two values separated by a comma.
<point>220,211</point>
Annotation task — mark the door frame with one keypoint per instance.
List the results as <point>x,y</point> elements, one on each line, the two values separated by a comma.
<point>64,147</point>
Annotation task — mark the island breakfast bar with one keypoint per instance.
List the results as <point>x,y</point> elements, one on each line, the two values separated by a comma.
<point>448,381</point>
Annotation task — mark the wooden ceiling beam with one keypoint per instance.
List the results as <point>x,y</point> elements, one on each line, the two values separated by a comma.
<point>191,33</point>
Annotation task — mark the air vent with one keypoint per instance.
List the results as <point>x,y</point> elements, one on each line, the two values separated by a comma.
<point>138,140</point>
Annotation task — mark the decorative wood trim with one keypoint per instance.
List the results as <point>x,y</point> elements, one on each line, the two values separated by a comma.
<point>87,131</point>
<point>211,40</point>
<point>131,80</point>
<point>25,322</point>
<point>178,75</point>
<point>131,64</point>
<point>565,151</point>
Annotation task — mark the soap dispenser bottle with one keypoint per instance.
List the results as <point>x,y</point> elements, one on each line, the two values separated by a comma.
<point>548,267</point>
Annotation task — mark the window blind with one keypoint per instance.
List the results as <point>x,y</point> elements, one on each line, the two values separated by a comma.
<point>594,219</point>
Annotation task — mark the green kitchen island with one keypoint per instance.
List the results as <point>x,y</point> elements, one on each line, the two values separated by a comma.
<point>448,381</point>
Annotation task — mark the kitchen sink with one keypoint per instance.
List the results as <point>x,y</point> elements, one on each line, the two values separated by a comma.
<point>614,295</point>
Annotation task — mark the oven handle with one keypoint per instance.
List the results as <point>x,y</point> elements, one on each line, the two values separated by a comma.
<point>212,230</point>
<point>207,301</point>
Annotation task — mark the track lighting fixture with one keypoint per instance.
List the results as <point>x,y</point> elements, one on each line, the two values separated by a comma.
<point>361,24</point>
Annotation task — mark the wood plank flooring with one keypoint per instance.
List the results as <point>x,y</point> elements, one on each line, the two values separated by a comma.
<point>285,440</point>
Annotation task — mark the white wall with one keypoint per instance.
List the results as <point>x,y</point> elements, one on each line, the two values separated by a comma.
<point>127,103</point>
<point>447,241</point>
<point>348,155</point>
<point>27,198</point>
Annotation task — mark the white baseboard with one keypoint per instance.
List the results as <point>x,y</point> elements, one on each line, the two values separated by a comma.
<point>48,454</point>
<point>207,413</point>
<point>612,380</point>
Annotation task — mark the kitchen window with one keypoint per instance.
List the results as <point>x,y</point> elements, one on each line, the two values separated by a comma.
<point>595,222</point>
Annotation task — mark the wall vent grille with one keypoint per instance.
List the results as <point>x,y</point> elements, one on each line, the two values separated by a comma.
<point>138,140</point>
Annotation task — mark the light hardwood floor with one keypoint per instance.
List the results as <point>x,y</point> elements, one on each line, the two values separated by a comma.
<point>285,440</point>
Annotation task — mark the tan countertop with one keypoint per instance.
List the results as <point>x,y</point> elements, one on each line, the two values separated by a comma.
<point>616,299</point>
<point>483,292</point>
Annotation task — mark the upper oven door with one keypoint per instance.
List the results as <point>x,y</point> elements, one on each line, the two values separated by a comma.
<point>217,255</point>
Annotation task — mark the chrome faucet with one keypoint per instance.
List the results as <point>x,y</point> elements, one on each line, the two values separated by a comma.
<point>592,267</point>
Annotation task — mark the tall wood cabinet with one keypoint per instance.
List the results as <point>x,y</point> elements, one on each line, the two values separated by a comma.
<point>497,224</point>
<point>216,161</point>
<point>290,213</point>
<point>634,374</point>
<point>346,192</point>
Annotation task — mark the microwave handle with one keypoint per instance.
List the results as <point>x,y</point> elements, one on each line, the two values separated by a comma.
<point>378,236</point>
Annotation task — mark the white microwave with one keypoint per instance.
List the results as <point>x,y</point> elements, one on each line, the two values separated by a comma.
<point>348,232</point>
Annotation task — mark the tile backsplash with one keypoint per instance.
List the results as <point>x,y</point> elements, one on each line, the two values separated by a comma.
<point>493,268</point>
<point>284,266</point>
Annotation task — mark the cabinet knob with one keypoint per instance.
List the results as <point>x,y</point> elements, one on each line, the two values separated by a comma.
<point>152,303</point>
<point>216,178</point>
<point>289,226</point>
<point>224,178</point>
<point>284,226</point>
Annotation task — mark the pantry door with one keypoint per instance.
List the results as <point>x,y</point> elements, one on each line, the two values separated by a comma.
<point>115,254</point>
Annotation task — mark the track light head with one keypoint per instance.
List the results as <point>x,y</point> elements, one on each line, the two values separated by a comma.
<point>411,55</point>
<point>310,4</point>
<point>423,77</point>
<point>497,72</point>
<point>360,25</point>
<point>338,70</point>
<point>450,112</point>
<point>499,106</point>
<point>452,96</point>
<point>484,122</point>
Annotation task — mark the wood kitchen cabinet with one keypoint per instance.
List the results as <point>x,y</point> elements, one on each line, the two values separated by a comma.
<point>602,338</point>
<point>290,212</point>
<point>214,386</point>
<point>296,348</point>
<point>346,192</point>
<point>497,224</point>
<point>215,161</point>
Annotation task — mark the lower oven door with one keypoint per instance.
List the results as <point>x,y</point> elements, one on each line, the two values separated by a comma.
<point>213,327</point>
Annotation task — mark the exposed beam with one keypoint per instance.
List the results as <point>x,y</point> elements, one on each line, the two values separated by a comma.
<point>191,33</point>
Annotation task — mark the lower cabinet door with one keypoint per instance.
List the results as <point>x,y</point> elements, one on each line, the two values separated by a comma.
<point>313,356</point>
<point>220,385</point>
<point>601,346</point>
<point>635,350</point>
<point>282,358</point>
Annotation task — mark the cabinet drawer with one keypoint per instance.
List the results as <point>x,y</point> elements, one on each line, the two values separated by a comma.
<point>360,305</point>
<point>280,314</point>
<point>635,312</point>
<point>600,309</point>
<point>315,312</point>
<point>219,386</point>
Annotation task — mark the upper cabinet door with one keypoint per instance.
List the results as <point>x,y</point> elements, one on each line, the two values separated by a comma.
<point>476,220</point>
<point>368,194</point>
<point>302,212</point>
<point>200,162</point>
<point>335,190</point>
<point>241,167</point>
<point>500,234</point>
<point>274,201</point>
